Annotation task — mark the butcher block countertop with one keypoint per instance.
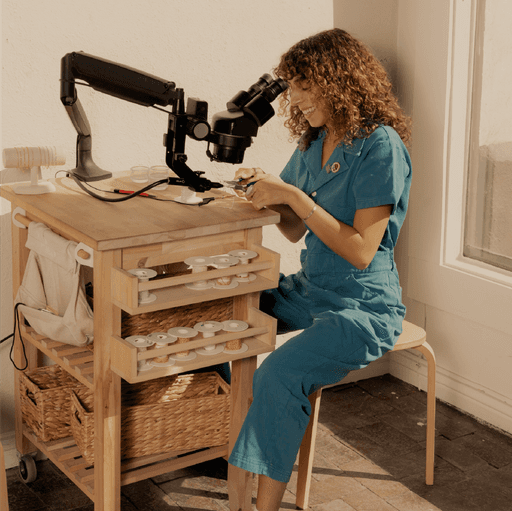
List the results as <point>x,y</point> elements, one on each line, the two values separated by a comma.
<point>139,221</point>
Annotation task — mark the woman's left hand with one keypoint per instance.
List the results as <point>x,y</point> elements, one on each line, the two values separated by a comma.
<point>268,190</point>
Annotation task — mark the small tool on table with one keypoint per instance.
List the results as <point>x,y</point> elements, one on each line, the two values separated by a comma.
<point>129,192</point>
<point>236,185</point>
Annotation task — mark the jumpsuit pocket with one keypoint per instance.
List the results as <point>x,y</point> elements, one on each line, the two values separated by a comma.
<point>373,297</point>
<point>326,269</point>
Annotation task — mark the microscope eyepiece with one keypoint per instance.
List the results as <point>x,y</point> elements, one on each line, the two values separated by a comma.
<point>233,129</point>
<point>243,97</point>
<point>274,88</point>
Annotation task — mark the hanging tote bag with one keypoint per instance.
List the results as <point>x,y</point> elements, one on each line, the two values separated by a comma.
<point>51,296</point>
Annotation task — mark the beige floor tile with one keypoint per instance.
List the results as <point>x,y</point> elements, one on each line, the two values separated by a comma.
<point>288,501</point>
<point>366,500</point>
<point>334,451</point>
<point>411,502</point>
<point>374,478</point>
<point>194,492</point>
<point>327,488</point>
<point>199,502</point>
<point>335,505</point>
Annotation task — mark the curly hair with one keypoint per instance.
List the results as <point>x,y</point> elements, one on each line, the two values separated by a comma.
<point>352,82</point>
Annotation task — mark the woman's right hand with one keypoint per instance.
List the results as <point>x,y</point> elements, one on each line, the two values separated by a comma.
<point>246,175</point>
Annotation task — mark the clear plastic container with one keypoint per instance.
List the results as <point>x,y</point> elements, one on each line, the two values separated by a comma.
<point>139,174</point>
<point>157,173</point>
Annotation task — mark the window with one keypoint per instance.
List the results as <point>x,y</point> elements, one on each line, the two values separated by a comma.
<point>488,215</point>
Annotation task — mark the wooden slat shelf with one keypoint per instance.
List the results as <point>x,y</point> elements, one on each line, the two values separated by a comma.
<point>64,453</point>
<point>54,451</point>
<point>75,360</point>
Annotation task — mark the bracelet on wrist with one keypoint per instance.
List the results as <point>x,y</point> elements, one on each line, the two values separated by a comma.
<point>310,214</point>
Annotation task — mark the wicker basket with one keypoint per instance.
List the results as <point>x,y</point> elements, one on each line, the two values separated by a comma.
<point>184,316</point>
<point>45,401</point>
<point>179,412</point>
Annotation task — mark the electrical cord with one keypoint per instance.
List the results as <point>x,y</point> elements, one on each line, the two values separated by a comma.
<point>206,200</point>
<point>16,323</point>
<point>137,193</point>
<point>119,199</point>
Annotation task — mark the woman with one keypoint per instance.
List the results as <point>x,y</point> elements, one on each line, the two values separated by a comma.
<point>346,188</point>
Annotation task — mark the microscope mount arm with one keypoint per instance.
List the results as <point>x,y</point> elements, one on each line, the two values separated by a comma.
<point>131,85</point>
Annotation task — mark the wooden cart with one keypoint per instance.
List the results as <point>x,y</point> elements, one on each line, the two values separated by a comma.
<point>123,236</point>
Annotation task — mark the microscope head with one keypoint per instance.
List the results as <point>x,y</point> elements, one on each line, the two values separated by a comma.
<point>233,129</point>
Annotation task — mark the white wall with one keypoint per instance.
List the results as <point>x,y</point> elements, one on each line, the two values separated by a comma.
<point>375,23</point>
<point>211,49</point>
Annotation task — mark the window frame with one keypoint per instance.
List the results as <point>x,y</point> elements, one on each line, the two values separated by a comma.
<point>464,105</point>
<point>480,230</point>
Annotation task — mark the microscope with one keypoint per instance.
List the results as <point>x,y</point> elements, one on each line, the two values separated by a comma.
<point>229,135</point>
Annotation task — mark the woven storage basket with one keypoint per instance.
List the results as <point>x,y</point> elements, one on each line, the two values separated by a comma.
<point>45,401</point>
<point>184,316</point>
<point>179,412</point>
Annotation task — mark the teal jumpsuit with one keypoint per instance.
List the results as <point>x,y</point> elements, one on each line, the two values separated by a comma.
<point>347,317</point>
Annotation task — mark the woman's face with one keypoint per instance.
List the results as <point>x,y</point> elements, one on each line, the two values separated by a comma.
<point>304,95</point>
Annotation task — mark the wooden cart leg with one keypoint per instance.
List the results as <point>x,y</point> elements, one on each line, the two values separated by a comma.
<point>19,261</point>
<point>4,503</point>
<point>240,481</point>
<point>107,385</point>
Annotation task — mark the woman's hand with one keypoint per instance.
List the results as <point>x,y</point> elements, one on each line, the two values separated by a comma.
<point>272,192</point>
<point>265,189</point>
<point>269,190</point>
<point>244,175</point>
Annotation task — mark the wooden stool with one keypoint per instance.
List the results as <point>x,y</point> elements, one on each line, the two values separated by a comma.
<point>412,337</point>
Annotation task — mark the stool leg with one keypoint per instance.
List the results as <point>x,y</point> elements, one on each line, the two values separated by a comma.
<point>428,352</point>
<point>307,453</point>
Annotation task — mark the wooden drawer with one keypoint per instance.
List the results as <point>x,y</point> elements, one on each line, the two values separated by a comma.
<point>260,338</point>
<point>172,292</point>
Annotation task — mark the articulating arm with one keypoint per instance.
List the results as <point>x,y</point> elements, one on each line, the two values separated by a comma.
<point>137,87</point>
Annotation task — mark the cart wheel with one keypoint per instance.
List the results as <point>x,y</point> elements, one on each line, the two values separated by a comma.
<point>28,469</point>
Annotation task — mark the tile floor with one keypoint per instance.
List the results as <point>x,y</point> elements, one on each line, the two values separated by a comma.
<point>369,457</point>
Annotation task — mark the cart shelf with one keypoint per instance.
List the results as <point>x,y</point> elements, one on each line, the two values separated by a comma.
<point>77,361</point>
<point>64,453</point>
